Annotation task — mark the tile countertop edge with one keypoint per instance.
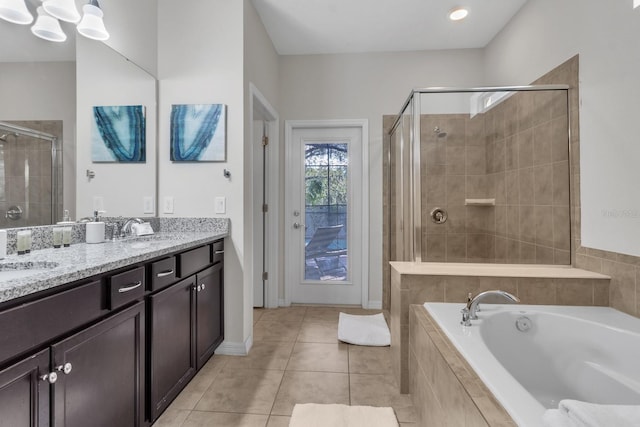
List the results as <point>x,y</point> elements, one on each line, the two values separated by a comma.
<point>73,270</point>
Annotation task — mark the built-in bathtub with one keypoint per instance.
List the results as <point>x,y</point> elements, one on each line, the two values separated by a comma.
<point>530,357</point>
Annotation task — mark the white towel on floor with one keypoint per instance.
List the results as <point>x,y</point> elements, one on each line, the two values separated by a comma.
<point>334,415</point>
<point>364,330</point>
<point>572,413</point>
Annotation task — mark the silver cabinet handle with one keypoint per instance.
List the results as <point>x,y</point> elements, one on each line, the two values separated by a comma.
<point>202,287</point>
<point>51,377</point>
<point>197,288</point>
<point>164,273</point>
<point>130,288</point>
<point>66,368</point>
<point>297,225</point>
<point>219,252</point>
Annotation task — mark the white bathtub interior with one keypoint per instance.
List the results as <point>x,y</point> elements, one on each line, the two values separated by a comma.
<point>533,356</point>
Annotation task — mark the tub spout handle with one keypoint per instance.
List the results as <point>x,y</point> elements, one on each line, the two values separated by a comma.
<point>466,318</point>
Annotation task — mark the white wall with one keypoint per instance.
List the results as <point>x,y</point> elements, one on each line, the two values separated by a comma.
<point>368,86</point>
<point>261,70</point>
<point>544,34</point>
<point>44,91</point>
<point>200,60</point>
<point>105,78</point>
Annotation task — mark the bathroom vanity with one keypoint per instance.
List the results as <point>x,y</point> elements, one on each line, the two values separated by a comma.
<point>112,333</point>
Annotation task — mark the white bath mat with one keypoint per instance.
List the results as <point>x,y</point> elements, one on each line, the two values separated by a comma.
<point>364,330</point>
<point>316,415</point>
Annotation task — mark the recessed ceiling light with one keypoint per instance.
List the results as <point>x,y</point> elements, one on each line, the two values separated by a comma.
<point>458,14</point>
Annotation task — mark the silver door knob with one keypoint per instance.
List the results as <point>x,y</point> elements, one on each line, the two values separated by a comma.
<point>66,368</point>
<point>51,377</point>
<point>297,225</point>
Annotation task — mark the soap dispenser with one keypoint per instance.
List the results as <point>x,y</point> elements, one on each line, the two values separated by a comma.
<point>95,229</point>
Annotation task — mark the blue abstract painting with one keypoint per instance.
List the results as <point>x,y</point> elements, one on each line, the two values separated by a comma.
<point>198,133</point>
<point>118,134</point>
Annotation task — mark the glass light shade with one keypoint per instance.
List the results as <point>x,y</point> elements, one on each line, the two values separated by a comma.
<point>48,27</point>
<point>64,10</point>
<point>92,25</point>
<point>15,11</point>
<point>458,14</point>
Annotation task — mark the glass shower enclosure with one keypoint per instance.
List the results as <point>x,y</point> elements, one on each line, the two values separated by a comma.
<point>30,170</point>
<point>480,175</point>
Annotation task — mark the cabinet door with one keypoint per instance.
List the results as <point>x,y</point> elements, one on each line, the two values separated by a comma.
<point>24,397</point>
<point>172,359</point>
<point>210,317</point>
<point>101,373</point>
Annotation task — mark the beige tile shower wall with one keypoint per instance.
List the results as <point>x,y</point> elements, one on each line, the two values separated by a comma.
<point>528,173</point>
<point>35,198</point>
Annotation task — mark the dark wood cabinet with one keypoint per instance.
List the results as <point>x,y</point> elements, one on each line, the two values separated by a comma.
<point>209,315</point>
<point>110,350</point>
<point>172,360</point>
<point>101,373</point>
<point>24,395</point>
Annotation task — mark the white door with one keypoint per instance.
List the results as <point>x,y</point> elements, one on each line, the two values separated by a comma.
<point>323,222</point>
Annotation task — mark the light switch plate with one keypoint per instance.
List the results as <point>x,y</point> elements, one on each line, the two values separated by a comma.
<point>220,205</point>
<point>168,205</point>
<point>148,205</point>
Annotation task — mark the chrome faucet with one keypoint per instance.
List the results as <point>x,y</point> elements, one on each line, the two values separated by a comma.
<point>126,227</point>
<point>469,312</point>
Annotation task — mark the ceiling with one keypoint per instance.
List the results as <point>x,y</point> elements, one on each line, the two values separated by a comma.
<point>299,27</point>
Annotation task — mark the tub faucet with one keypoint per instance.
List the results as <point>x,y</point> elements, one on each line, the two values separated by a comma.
<point>469,312</point>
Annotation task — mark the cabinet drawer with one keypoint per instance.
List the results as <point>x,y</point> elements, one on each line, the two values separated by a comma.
<point>163,273</point>
<point>218,251</point>
<point>126,287</point>
<point>30,325</point>
<point>194,260</point>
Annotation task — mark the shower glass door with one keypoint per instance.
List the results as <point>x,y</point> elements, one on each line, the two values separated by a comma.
<point>27,178</point>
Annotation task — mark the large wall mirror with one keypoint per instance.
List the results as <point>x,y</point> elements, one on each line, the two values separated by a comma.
<point>50,89</point>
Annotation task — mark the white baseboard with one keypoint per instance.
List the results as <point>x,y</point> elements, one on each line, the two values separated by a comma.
<point>374,305</point>
<point>230,348</point>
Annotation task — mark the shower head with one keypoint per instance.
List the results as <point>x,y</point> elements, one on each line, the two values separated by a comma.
<point>439,133</point>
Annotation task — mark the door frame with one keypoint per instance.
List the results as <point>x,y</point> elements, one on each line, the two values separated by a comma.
<point>363,125</point>
<point>259,104</point>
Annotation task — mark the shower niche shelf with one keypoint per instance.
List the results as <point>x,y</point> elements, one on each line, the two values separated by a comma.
<point>480,202</point>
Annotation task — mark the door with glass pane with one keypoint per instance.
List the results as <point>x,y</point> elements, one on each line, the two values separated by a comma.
<point>323,182</point>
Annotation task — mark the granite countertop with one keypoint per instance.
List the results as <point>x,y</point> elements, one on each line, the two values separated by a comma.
<point>81,260</point>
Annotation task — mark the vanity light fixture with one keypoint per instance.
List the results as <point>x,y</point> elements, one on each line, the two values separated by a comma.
<point>15,11</point>
<point>458,14</point>
<point>64,10</point>
<point>47,27</point>
<point>92,25</point>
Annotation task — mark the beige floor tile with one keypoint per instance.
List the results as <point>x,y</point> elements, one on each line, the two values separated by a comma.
<point>325,332</point>
<point>288,314</point>
<point>323,314</point>
<point>257,314</point>
<point>247,391</point>
<point>222,419</point>
<point>381,390</point>
<point>319,357</point>
<point>172,418</point>
<point>369,360</point>
<point>278,421</point>
<point>193,392</point>
<point>266,330</point>
<point>310,387</point>
<point>263,355</point>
